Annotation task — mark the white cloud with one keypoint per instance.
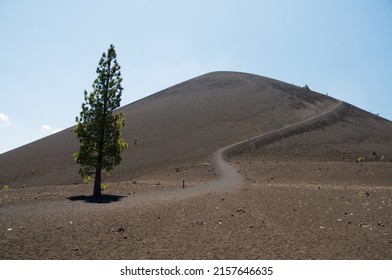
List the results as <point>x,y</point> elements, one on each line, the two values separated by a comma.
<point>49,129</point>
<point>4,120</point>
<point>46,128</point>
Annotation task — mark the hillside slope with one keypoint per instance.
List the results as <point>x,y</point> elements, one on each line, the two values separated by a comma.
<point>187,123</point>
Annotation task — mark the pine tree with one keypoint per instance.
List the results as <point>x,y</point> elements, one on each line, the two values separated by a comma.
<point>98,129</point>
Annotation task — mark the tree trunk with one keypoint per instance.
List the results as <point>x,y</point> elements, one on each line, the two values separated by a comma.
<point>97,183</point>
<point>102,124</point>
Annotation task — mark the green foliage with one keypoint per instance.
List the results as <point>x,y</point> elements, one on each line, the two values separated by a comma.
<point>361,159</point>
<point>104,187</point>
<point>98,129</point>
<point>306,87</point>
<point>363,194</point>
<point>87,179</point>
<point>5,188</point>
<point>382,157</point>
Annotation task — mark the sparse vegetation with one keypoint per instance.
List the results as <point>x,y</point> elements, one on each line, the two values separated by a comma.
<point>5,188</point>
<point>104,187</point>
<point>87,179</point>
<point>361,159</point>
<point>363,194</point>
<point>376,156</point>
<point>306,87</point>
<point>23,186</point>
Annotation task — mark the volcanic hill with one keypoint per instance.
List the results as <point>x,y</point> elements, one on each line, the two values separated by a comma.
<point>189,121</point>
<point>271,171</point>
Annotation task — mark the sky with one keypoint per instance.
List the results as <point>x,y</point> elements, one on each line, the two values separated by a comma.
<point>50,50</point>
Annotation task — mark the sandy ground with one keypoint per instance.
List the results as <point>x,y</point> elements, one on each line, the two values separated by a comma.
<point>308,219</point>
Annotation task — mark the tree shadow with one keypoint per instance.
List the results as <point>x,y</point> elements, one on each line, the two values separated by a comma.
<point>105,198</point>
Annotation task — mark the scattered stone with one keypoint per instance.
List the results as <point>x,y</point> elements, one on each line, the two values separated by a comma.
<point>120,230</point>
<point>76,249</point>
<point>201,223</point>
<point>241,210</point>
<point>177,169</point>
<point>125,235</point>
<point>321,227</point>
<point>9,229</point>
<point>365,225</point>
<point>134,182</point>
<point>381,224</point>
<point>159,218</point>
<point>58,227</point>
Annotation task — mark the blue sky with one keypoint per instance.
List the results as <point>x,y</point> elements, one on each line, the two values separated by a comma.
<point>50,51</point>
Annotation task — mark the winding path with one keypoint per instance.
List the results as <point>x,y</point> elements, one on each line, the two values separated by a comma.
<point>227,176</point>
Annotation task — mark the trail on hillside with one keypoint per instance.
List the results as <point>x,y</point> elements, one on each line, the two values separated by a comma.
<point>227,177</point>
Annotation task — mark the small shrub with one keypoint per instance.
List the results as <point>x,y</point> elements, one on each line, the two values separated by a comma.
<point>360,159</point>
<point>5,188</point>
<point>104,186</point>
<point>306,87</point>
<point>363,194</point>
<point>377,156</point>
<point>86,179</point>
<point>23,186</point>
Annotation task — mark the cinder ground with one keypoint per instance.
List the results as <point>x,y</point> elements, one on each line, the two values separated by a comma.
<point>303,219</point>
